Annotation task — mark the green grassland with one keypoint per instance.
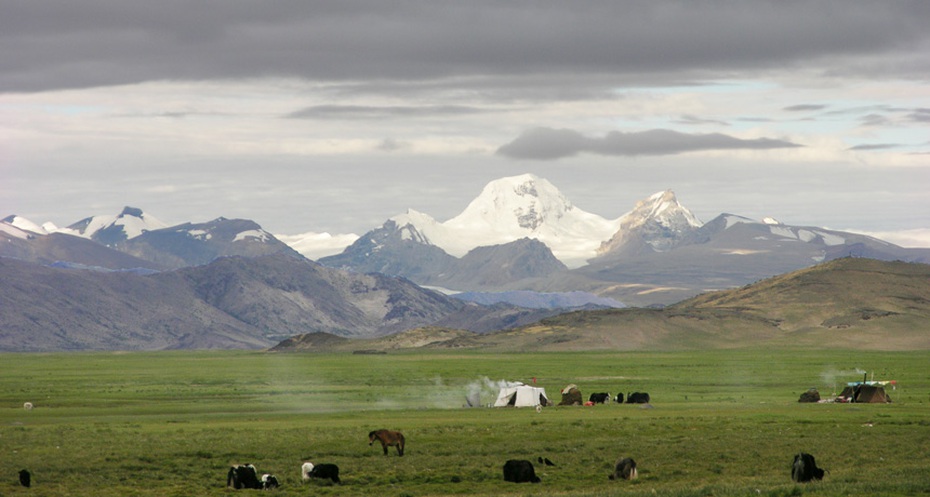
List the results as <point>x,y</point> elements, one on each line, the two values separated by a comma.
<point>721,423</point>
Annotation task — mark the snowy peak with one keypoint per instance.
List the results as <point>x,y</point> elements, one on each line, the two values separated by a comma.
<point>25,225</point>
<point>657,223</point>
<point>523,206</point>
<point>523,203</point>
<point>111,230</point>
<point>663,208</point>
<point>414,226</point>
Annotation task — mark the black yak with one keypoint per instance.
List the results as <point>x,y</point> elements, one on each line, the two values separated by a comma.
<point>520,471</point>
<point>804,468</point>
<point>637,398</point>
<point>243,476</point>
<point>324,471</point>
<point>599,398</point>
<point>625,469</point>
<point>25,478</point>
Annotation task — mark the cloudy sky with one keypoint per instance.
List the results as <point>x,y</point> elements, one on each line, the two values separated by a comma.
<point>310,116</point>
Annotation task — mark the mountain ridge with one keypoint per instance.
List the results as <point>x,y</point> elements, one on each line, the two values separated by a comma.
<point>232,302</point>
<point>852,303</point>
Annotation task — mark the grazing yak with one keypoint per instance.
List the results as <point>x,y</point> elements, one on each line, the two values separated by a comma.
<point>25,478</point>
<point>619,398</point>
<point>324,471</point>
<point>599,398</point>
<point>637,398</point>
<point>387,439</point>
<point>625,469</point>
<point>520,471</point>
<point>804,468</point>
<point>305,470</point>
<point>243,476</point>
<point>269,482</point>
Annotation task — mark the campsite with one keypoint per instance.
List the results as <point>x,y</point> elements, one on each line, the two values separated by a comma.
<point>724,422</point>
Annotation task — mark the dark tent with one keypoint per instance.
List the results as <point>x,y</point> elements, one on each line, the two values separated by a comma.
<point>866,394</point>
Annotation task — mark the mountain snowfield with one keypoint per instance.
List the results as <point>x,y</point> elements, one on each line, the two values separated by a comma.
<point>131,223</point>
<point>512,208</point>
<point>526,206</point>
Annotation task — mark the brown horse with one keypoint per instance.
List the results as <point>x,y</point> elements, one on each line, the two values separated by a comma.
<point>388,438</point>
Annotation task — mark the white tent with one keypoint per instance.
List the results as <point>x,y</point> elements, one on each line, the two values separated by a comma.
<point>520,395</point>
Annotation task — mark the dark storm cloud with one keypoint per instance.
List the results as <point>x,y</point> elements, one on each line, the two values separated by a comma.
<point>550,144</point>
<point>54,44</point>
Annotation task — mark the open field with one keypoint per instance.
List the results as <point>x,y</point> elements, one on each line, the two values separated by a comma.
<point>721,423</point>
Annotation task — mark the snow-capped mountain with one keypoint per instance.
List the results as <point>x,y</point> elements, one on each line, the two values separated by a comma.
<point>655,254</point>
<point>526,206</point>
<point>509,209</point>
<point>24,225</point>
<point>136,239</point>
<point>194,244</point>
<point>658,224</point>
<point>112,230</point>
<point>25,240</point>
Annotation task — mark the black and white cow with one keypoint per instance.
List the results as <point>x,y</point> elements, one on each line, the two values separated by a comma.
<point>269,482</point>
<point>625,469</point>
<point>804,468</point>
<point>599,398</point>
<point>305,470</point>
<point>324,471</point>
<point>520,471</point>
<point>637,398</point>
<point>243,476</point>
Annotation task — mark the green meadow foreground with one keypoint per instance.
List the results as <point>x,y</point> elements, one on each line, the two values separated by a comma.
<point>720,423</point>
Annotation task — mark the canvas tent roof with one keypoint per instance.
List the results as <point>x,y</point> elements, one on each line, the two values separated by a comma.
<point>520,395</point>
<point>865,394</point>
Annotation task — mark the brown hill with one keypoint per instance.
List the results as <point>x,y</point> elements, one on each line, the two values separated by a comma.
<point>850,303</point>
<point>846,303</point>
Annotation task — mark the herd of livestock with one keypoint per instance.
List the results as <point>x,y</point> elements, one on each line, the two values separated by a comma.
<point>803,468</point>
<point>245,476</point>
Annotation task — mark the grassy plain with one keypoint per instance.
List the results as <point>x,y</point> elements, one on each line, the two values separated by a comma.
<point>721,423</point>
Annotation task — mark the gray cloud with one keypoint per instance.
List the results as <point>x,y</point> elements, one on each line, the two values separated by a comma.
<point>875,120</point>
<point>380,112</point>
<point>697,121</point>
<point>54,44</point>
<point>550,144</point>
<point>920,116</point>
<point>391,145</point>
<point>805,108</point>
<point>875,146</point>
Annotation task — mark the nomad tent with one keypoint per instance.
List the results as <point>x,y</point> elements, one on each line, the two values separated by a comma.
<point>520,395</point>
<point>866,392</point>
